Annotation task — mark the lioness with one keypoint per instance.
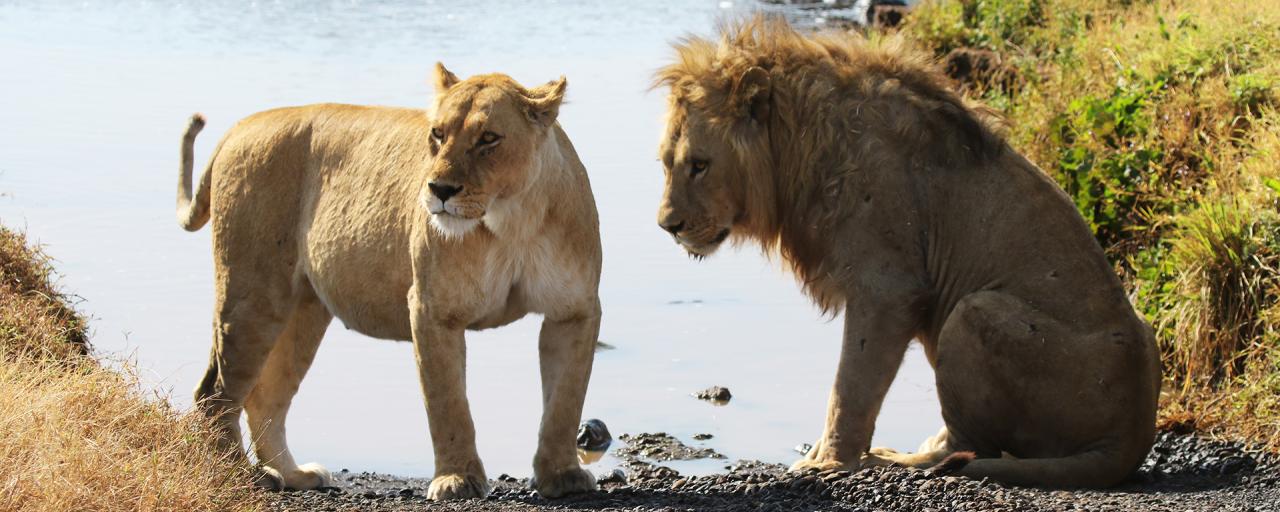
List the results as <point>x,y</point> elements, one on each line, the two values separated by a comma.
<point>893,200</point>
<point>405,224</point>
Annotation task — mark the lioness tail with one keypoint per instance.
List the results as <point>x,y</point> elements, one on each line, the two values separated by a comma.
<point>192,215</point>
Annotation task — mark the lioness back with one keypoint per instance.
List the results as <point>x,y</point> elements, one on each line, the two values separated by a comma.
<point>332,187</point>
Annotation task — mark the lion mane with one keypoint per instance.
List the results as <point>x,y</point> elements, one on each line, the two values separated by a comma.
<point>821,88</point>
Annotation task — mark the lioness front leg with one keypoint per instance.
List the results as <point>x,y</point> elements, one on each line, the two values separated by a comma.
<point>441,353</point>
<point>875,341</point>
<point>566,349</point>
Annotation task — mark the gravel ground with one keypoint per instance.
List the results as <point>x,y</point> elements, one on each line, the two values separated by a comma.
<point>1183,472</point>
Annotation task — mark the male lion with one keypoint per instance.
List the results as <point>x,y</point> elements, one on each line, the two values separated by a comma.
<point>406,225</point>
<point>890,198</point>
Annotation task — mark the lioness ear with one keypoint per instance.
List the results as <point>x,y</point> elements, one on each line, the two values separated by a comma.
<point>751,94</point>
<point>544,101</point>
<point>444,78</point>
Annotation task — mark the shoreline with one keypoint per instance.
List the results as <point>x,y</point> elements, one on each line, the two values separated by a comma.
<point>1182,472</point>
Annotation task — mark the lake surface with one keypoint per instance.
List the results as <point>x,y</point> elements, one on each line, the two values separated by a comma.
<point>93,100</point>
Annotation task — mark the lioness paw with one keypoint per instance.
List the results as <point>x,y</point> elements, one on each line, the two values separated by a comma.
<point>268,479</point>
<point>306,477</point>
<point>458,487</point>
<point>563,483</point>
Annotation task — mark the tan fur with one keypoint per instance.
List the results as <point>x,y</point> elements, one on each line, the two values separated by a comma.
<point>331,210</point>
<point>898,203</point>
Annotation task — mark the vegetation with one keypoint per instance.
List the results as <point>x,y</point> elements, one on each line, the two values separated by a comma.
<point>1161,120</point>
<point>80,436</point>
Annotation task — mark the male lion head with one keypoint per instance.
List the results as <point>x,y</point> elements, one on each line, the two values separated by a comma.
<point>485,135</point>
<point>706,155</point>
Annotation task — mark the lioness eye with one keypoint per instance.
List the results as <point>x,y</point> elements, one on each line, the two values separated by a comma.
<point>698,167</point>
<point>437,134</point>
<point>489,138</point>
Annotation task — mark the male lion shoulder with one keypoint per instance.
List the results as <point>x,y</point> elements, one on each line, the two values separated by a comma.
<point>895,200</point>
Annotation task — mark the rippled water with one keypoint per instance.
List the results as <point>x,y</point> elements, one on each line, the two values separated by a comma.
<point>93,98</point>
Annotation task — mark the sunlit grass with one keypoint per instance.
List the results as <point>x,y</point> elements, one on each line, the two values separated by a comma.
<point>1159,118</point>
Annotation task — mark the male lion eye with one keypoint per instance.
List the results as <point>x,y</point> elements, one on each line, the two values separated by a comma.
<point>489,138</point>
<point>437,134</point>
<point>698,167</point>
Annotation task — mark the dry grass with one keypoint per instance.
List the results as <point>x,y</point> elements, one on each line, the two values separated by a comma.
<point>35,320</point>
<point>1160,119</point>
<point>78,436</point>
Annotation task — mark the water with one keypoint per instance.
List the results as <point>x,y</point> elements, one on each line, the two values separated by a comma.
<point>93,99</point>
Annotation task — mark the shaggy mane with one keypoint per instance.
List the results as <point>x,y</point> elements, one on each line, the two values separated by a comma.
<point>822,89</point>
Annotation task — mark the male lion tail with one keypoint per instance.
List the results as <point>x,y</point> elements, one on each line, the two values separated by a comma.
<point>1093,469</point>
<point>192,215</point>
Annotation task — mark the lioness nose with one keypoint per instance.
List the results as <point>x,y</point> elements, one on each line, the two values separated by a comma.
<point>444,192</point>
<point>674,229</point>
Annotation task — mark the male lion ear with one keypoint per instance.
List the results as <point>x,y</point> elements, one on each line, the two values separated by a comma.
<point>444,78</point>
<point>544,101</point>
<point>751,94</point>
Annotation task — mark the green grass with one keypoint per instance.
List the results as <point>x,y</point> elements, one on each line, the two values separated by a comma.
<point>1164,128</point>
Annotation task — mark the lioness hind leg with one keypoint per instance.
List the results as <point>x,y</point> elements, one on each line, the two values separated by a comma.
<point>268,404</point>
<point>244,333</point>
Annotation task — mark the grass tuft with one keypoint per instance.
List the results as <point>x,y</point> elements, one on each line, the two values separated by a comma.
<point>79,436</point>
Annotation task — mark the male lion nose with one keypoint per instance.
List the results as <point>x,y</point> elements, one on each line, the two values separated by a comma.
<point>674,229</point>
<point>444,192</point>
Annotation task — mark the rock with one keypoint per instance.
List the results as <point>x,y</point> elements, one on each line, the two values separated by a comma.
<point>661,447</point>
<point>715,394</point>
<point>702,437</point>
<point>617,476</point>
<point>1234,464</point>
<point>594,436</point>
<point>975,67</point>
<point>886,13</point>
<point>406,492</point>
<point>803,448</point>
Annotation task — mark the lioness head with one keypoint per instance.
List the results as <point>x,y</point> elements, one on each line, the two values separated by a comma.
<point>707,161</point>
<point>485,135</point>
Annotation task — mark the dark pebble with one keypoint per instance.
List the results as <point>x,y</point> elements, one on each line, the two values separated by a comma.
<point>594,436</point>
<point>715,394</point>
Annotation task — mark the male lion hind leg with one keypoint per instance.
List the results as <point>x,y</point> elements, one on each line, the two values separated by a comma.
<point>244,332</point>
<point>268,403</point>
<point>932,452</point>
<point>1013,379</point>
<point>566,349</point>
<point>441,353</point>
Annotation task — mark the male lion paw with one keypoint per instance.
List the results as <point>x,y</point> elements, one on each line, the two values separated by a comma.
<point>570,481</point>
<point>819,466</point>
<point>885,457</point>
<point>458,487</point>
<point>883,451</point>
